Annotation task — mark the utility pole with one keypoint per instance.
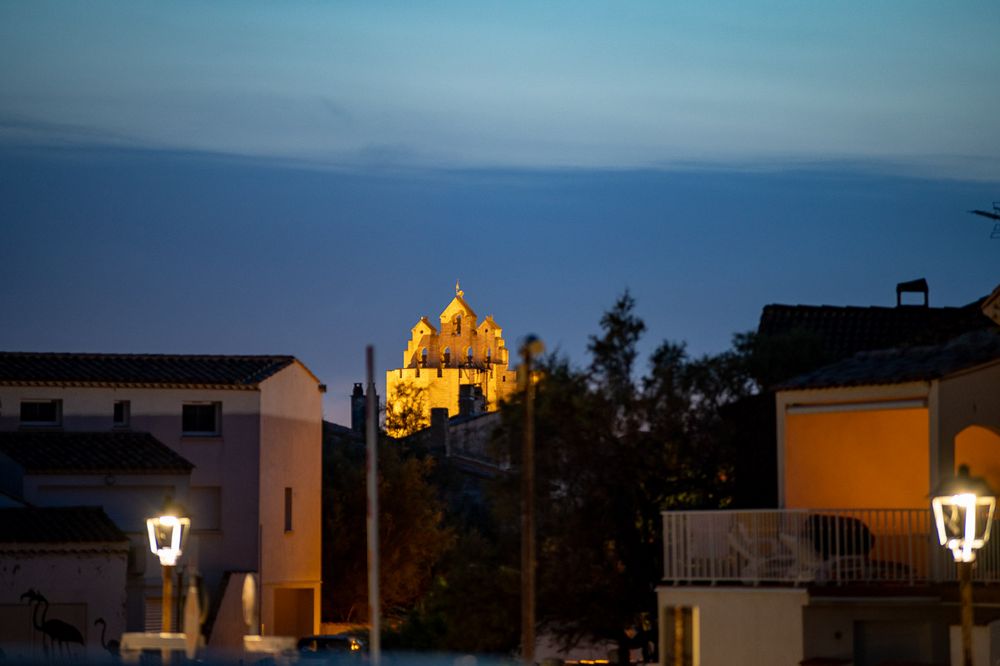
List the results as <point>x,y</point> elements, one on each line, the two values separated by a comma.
<point>371,472</point>
<point>532,347</point>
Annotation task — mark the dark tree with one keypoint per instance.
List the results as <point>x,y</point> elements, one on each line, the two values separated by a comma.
<point>412,535</point>
<point>611,453</point>
<point>613,352</point>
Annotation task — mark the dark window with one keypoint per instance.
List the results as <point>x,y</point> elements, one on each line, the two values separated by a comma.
<point>288,509</point>
<point>201,418</point>
<point>447,356</point>
<point>121,413</point>
<point>458,325</point>
<point>41,412</point>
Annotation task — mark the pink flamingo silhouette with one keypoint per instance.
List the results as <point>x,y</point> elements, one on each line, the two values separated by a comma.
<point>58,632</point>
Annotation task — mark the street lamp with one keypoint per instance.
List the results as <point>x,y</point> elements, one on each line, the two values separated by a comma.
<point>167,533</point>
<point>963,512</point>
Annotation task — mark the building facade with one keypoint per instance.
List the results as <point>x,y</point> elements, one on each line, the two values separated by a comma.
<point>461,364</point>
<point>847,569</point>
<point>244,433</point>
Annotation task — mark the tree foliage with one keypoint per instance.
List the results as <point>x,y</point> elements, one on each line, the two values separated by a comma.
<point>406,410</point>
<point>472,605</point>
<point>412,535</point>
<point>612,451</point>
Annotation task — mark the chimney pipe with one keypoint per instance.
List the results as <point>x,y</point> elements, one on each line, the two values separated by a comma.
<point>913,287</point>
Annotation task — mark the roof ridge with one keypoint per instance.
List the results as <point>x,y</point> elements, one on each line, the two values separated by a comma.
<point>147,355</point>
<point>894,308</point>
<point>224,370</point>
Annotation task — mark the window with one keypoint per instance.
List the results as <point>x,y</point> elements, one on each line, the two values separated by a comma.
<point>458,324</point>
<point>41,412</point>
<point>423,357</point>
<point>121,414</point>
<point>468,355</point>
<point>447,355</point>
<point>201,419</point>
<point>288,509</point>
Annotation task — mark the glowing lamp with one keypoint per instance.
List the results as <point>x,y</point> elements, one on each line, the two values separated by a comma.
<point>168,533</point>
<point>963,511</point>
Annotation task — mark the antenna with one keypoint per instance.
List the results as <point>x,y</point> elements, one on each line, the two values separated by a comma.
<point>992,215</point>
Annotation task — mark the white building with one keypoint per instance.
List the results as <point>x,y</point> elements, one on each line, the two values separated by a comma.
<point>847,569</point>
<point>236,439</point>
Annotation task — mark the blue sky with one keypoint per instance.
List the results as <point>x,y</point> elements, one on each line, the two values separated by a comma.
<point>309,177</point>
<point>578,84</point>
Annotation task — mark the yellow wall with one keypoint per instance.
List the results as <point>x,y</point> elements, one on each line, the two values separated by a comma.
<point>442,391</point>
<point>857,459</point>
<point>979,448</point>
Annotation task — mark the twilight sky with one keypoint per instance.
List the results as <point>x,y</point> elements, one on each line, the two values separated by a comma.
<point>305,178</point>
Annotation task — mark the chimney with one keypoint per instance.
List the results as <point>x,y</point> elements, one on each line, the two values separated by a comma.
<point>913,287</point>
<point>358,408</point>
<point>470,400</point>
<point>439,429</point>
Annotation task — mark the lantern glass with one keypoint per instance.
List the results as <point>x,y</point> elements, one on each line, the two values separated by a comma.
<point>167,534</point>
<point>963,513</point>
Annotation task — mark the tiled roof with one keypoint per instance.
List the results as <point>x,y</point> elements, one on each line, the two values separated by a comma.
<point>46,452</point>
<point>991,305</point>
<point>905,364</point>
<point>78,524</point>
<point>843,331</point>
<point>138,369</point>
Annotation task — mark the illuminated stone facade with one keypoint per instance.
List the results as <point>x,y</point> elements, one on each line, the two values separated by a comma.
<point>462,364</point>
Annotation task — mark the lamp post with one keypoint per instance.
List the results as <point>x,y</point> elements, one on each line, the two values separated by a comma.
<point>963,512</point>
<point>531,348</point>
<point>167,533</point>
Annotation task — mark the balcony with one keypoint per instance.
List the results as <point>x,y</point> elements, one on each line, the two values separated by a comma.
<point>813,547</point>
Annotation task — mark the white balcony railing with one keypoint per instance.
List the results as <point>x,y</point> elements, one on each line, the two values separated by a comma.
<point>802,546</point>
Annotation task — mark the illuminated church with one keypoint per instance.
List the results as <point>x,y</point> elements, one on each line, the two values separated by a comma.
<point>461,363</point>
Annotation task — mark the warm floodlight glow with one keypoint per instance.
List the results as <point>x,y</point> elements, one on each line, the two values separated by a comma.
<point>963,512</point>
<point>167,534</point>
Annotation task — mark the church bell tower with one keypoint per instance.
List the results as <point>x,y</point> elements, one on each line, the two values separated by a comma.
<point>461,363</point>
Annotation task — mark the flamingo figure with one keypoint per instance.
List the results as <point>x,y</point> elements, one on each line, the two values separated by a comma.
<point>58,632</point>
<point>112,646</point>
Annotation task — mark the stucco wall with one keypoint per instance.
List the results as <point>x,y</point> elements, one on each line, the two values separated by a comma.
<point>857,459</point>
<point>291,457</point>
<point>223,483</point>
<point>979,448</point>
<point>740,627</point>
<point>878,630</point>
<point>472,438</point>
<point>80,586</point>
<point>971,399</point>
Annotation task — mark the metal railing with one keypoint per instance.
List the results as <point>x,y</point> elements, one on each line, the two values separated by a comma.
<point>815,547</point>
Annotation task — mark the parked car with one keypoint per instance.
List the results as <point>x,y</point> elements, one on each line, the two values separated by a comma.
<point>326,645</point>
